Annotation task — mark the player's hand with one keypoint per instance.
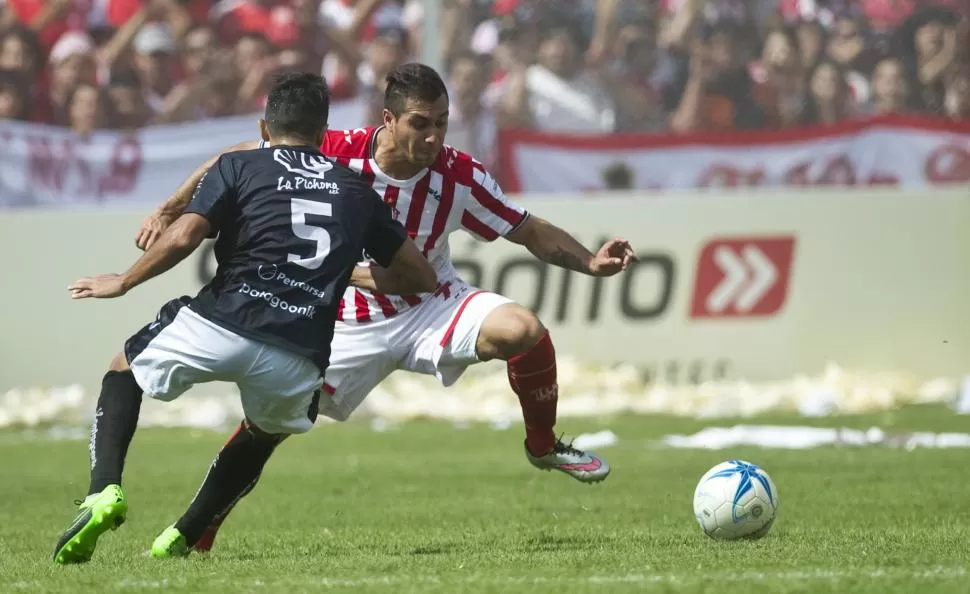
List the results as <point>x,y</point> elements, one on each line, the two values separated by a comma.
<point>151,229</point>
<point>103,286</point>
<point>615,256</point>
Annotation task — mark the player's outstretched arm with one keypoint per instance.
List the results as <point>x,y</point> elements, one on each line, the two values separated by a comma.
<point>175,244</point>
<point>384,280</point>
<point>551,244</point>
<point>409,271</point>
<point>170,210</point>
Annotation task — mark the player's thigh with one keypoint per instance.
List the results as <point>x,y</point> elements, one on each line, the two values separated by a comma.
<point>360,358</point>
<point>280,391</point>
<point>447,338</point>
<point>180,349</point>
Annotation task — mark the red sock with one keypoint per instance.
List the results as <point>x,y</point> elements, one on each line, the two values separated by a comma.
<point>532,376</point>
<point>208,538</point>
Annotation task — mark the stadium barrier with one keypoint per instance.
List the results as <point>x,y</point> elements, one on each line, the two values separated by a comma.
<point>749,301</point>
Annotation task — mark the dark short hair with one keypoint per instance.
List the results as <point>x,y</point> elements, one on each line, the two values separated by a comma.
<point>298,105</point>
<point>412,82</point>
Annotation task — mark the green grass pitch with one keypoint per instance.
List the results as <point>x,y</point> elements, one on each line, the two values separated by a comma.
<point>429,508</point>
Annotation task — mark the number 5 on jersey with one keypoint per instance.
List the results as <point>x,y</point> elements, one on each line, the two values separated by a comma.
<point>300,210</point>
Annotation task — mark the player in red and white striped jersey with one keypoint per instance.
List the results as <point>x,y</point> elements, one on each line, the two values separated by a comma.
<point>453,193</point>
<point>435,190</point>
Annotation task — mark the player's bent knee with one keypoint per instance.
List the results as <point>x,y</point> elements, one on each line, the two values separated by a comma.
<point>508,331</point>
<point>528,330</point>
<point>260,435</point>
<point>118,363</point>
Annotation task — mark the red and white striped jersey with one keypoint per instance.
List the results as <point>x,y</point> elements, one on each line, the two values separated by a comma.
<point>456,192</point>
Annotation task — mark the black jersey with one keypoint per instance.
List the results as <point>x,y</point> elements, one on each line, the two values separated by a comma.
<point>291,225</point>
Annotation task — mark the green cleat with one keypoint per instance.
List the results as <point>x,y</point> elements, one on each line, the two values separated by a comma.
<point>170,543</point>
<point>96,515</point>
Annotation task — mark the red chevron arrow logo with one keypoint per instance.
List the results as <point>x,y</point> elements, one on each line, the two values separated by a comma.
<point>743,277</point>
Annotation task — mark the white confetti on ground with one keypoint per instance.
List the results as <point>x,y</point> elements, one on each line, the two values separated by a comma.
<point>483,395</point>
<point>800,438</point>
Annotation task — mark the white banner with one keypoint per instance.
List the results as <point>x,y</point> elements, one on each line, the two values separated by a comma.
<point>50,166</point>
<point>896,151</point>
<point>755,285</point>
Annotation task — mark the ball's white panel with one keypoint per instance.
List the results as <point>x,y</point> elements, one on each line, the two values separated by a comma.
<point>735,499</point>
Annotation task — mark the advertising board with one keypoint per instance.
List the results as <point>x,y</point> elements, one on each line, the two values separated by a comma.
<point>748,285</point>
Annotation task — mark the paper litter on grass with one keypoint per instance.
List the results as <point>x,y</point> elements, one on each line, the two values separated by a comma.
<point>483,395</point>
<point>595,441</point>
<point>800,438</point>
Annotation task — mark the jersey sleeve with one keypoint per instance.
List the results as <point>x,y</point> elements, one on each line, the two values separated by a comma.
<point>347,143</point>
<point>213,194</point>
<point>385,236</point>
<point>488,213</point>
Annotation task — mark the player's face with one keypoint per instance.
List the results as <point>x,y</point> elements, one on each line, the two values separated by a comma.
<point>420,131</point>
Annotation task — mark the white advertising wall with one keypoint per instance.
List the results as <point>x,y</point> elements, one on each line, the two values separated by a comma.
<point>745,285</point>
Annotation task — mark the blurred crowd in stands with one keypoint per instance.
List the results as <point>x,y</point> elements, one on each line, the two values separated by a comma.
<point>587,66</point>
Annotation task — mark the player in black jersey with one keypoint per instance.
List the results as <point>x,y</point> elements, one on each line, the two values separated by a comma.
<point>291,226</point>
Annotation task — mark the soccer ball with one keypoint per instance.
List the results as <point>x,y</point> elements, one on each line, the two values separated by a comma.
<point>735,499</point>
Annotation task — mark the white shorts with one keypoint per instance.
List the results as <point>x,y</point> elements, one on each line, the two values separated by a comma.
<point>437,337</point>
<point>280,390</point>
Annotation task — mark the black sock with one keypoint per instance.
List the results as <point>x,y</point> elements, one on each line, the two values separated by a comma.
<point>233,474</point>
<point>114,425</point>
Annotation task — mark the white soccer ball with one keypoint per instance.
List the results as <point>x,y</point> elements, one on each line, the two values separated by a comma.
<point>735,499</point>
